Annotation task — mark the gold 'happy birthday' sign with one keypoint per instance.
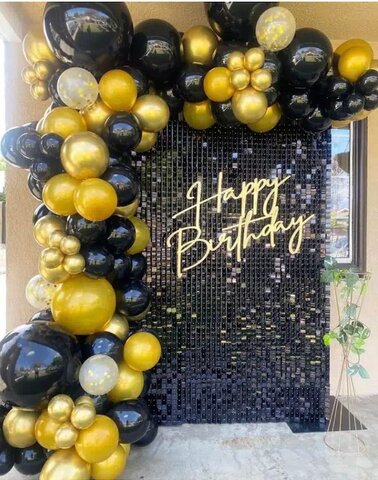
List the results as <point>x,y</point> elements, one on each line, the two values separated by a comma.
<point>257,208</point>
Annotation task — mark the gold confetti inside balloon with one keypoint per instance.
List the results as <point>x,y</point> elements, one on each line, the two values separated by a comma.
<point>98,374</point>
<point>45,226</point>
<point>18,427</point>
<point>96,115</point>
<point>39,293</point>
<point>199,115</point>
<point>112,467</point>
<point>95,199</point>
<point>142,351</point>
<point>275,28</point>
<point>77,88</point>
<point>129,385</point>
<point>142,236</point>
<point>60,408</point>
<point>65,465</point>
<point>254,58</point>
<point>152,112</point>
<point>249,105</point>
<point>199,44</point>
<point>217,84</point>
<point>118,90</point>
<point>58,194</point>
<point>118,325</point>
<point>83,415</point>
<point>45,430</point>
<point>63,121</point>
<point>270,119</point>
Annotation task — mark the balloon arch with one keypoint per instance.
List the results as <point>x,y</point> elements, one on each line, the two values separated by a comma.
<point>74,375</point>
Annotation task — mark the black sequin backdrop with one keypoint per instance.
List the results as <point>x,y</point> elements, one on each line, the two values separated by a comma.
<point>242,341</point>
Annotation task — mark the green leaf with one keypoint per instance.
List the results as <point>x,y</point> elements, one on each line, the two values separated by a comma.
<point>352,370</point>
<point>327,339</point>
<point>365,333</point>
<point>363,373</point>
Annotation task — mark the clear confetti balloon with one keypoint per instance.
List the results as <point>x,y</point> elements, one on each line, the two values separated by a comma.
<point>77,88</point>
<point>98,375</point>
<point>275,28</point>
<point>38,292</point>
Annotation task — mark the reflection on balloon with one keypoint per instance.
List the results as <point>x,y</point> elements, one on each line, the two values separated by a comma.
<point>18,427</point>
<point>60,408</point>
<point>66,436</point>
<point>122,132</point>
<point>84,230</point>
<point>103,343</point>
<point>249,105</point>
<point>152,112</point>
<point>217,85</point>
<point>131,418</point>
<point>199,44</point>
<point>30,460</point>
<point>133,299</point>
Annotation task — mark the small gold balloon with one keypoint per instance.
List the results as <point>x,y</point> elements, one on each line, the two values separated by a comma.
<point>60,408</point>
<point>270,119</point>
<point>261,79</point>
<point>217,85</point>
<point>44,69</point>
<point>199,115</point>
<point>118,325</point>
<point>66,436</point>
<point>45,226</point>
<point>353,63</point>
<point>39,90</point>
<point>199,44</point>
<point>35,48</point>
<point>142,236</point>
<point>65,465</point>
<point>142,351</point>
<point>235,61</point>
<point>51,257</point>
<point>84,399</point>
<point>55,238</point>
<point>18,427</point>
<point>83,416</point>
<point>53,275</point>
<point>28,75</point>
<point>58,194</point>
<point>129,385</point>
<point>240,78</point>
<point>96,115</point>
<point>70,245</point>
<point>152,112</point>
<point>147,141</point>
<point>249,105</point>
<point>128,210</point>
<point>45,430</point>
<point>254,58</point>
<point>64,121</point>
<point>74,264</point>
<point>112,467</point>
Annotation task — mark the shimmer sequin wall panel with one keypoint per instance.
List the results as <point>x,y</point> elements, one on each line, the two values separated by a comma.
<point>240,314</point>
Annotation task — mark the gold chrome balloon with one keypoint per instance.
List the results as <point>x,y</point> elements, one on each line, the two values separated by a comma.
<point>53,275</point>
<point>70,245</point>
<point>142,236</point>
<point>83,415</point>
<point>354,42</point>
<point>261,79</point>
<point>45,226</point>
<point>55,238</point>
<point>64,121</point>
<point>66,436</point>
<point>45,430</point>
<point>39,90</point>
<point>240,79</point>
<point>84,399</point>
<point>254,58</point>
<point>235,61</point>
<point>199,44</point>
<point>353,63</point>
<point>126,447</point>
<point>147,141</point>
<point>83,305</point>
<point>118,90</point>
<point>112,467</point>
<point>58,194</point>
<point>35,48</point>
<point>97,442</point>
<point>65,465</point>
<point>249,105</point>
<point>270,119</point>
<point>96,115</point>
<point>128,210</point>
<point>217,84</point>
<point>18,427</point>
<point>28,75</point>
<point>142,351</point>
<point>199,115</point>
<point>84,155</point>
<point>95,199</point>
<point>60,408</point>
<point>51,257</point>
<point>152,112</point>
<point>129,386</point>
<point>118,325</point>
<point>74,264</point>
<point>44,69</point>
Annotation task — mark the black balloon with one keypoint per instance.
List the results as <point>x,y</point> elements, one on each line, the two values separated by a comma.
<point>51,144</point>
<point>156,50</point>
<point>139,78</point>
<point>30,460</point>
<point>9,150</point>
<point>189,83</point>
<point>120,234</point>
<point>28,145</point>
<point>274,65</point>
<point>37,361</point>
<point>307,58</point>
<point>6,459</point>
<point>125,182</point>
<point>103,343</point>
<point>86,231</point>
<point>174,102</point>
<point>93,35</point>
<point>138,266</point>
<point>45,168</point>
<point>338,87</point>
<point>40,211</point>
<point>98,260</point>
<point>121,269</point>
<point>224,114</point>
<point>236,20</point>
<point>150,434</point>
<point>317,121</point>
<point>354,103</point>
<point>42,316</point>
<point>272,93</point>
<point>35,187</point>
<point>296,104</point>
<point>133,298</point>
<point>132,419</point>
<point>53,87</point>
<point>223,51</point>
<point>122,132</point>
<point>368,82</point>
<point>336,110</point>
<point>371,101</point>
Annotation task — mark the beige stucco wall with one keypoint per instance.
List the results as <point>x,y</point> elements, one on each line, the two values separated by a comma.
<point>22,252</point>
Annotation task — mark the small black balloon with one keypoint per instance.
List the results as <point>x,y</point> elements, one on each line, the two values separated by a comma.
<point>272,94</point>
<point>316,122</point>
<point>274,65</point>
<point>156,50</point>
<point>53,86</point>
<point>371,101</point>
<point>6,459</point>
<point>147,376</point>
<point>368,82</point>
<point>223,51</point>
<point>29,145</point>
<point>174,102</point>
<point>354,103</point>
<point>138,266</point>
<point>103,343</point>
<point>122,132</point>
<point>150,434</point>
<point>125,182</point>
<point>296,104</point>
<point>121,269</point>
<point>338,87</point>
<point>189,83</point>
<point>133,298</point>
<point>120,234</point>
<point>51,144</point>
<point>9,150</point>
<point>40,211</point>
<point>336,110</point>
<point>140,79</point>
<point>132,419</point>
<point>224,114</point>
<point>86,231</point>
<point>42,316</point>
<point>45,168</point>
<point>35,187</point>
<point>30,460</point>
<point>98,260</point>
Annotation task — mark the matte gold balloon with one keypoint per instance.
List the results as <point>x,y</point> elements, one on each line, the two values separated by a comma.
<point>66,436</point>
<point>235,61</point>
<point>249,105</point>
<point>142,351</point>
<point>240,79</point>
<point>353,63</point>
<point>112,467</point>
<point>39,90</point>
<point>254,58</point>
<point>97,442</point>
<point>83,305</point>
<point>199,44</point>
<point>64,122</point>
<point>44,69</point>
<point>83,415</point>
<point>45,226</point>
<point>18,427</point>
<point>70,245</point>
<point>74,264</point>
<point>217,84</point>
<point>199,115</point>
<point>142,236</point>
<point>51,257</point>
<point>28,75</point>
<point>55,238</point>
<point>148,140</point>
<point>118,90</point>
<point>60,408</point>
<point>118,325</point>
<point>58,194</point>
<point>270,119</point>
<point>53,275</point>
<point>65,465</point>
<point>261,79</point>
<point>35,48</point>
<point>95,199</point>
<point>45,430</point>
<point>129,386</point>
<point>354,42</point>
<point>128,210</point>
<point>96,115</point>
<point>152,112</point>
<point>84,155</point>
